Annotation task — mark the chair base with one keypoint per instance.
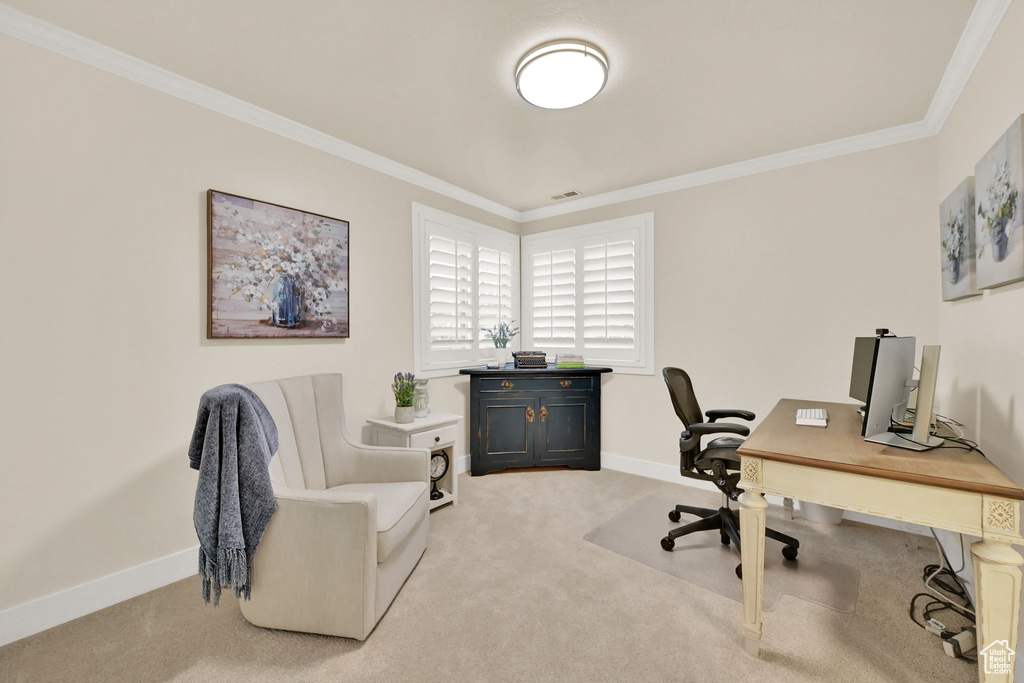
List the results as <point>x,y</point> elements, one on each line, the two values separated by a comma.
<point>727,522</point>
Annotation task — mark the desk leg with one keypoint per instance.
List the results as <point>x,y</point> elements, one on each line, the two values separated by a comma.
<point>752,523</point>
<point>997,577</point>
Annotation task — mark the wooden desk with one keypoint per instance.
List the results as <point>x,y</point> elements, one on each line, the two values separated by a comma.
<point>947,489</point>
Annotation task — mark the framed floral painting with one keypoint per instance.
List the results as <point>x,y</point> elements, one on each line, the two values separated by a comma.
<point>998,193</point>
<point>956,238</point>
<point>275,271</point>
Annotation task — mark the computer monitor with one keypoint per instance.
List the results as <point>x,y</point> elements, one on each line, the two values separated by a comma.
<point>892,376</point>
<point>889,383</point>
<point>863,360</point>
<point>926,398</point>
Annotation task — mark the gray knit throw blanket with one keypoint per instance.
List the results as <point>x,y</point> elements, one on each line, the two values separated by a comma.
<point>232,444</point>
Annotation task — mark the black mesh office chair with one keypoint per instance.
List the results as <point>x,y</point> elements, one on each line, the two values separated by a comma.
<point>717,463</point>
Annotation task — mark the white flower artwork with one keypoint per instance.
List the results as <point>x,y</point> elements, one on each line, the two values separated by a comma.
<point>999,245</point>
<point>275,271</point>
<point>956,239</point>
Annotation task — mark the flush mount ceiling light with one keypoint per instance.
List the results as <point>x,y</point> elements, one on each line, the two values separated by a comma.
<point>561,74</point>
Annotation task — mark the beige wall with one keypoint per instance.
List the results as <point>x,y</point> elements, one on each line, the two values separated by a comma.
<point>102,207</point>
<point>762,283</point>
<point>981,372</point>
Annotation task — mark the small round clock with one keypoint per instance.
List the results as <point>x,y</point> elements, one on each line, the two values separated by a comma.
<point>438,468</point>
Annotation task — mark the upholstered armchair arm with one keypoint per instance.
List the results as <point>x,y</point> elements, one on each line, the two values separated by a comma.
<point>382,464</point>
<point>320,544</point>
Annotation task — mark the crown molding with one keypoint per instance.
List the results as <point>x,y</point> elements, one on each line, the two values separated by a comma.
<point>981,26</point>
<point>772,162</point>
<point>45,35</point>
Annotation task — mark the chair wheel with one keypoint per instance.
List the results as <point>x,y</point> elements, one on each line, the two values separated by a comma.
<point>789,552</point>
<point>668,544</point>
<point>739,571</point>
<point>674,516</point>
<point>725,540</point>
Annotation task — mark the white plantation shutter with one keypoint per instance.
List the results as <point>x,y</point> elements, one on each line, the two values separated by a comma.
<point>451,293</point>
<point>495,283</point>
<point>609,295</point>
<point>589,290</point>
<point>553,312</point>
<point>466,276</point>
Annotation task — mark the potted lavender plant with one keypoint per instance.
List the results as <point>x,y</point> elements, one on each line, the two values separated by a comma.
<point>501,334</point>
<point>404,388</point>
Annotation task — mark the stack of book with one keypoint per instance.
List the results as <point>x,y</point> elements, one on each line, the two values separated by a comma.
<point>568,360</point>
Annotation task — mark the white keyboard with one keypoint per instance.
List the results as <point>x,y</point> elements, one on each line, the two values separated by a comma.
<point>812,417</point>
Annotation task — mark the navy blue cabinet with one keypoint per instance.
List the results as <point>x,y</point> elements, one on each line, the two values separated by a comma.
<point>532,417</point>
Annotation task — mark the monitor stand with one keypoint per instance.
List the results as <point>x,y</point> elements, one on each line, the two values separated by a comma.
<point>904,441</point>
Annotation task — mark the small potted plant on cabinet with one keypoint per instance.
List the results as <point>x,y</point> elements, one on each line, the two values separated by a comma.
<point>501,334</point>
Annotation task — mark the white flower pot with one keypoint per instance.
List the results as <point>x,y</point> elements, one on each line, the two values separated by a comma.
<point>405,414</point>
<point>501,356</point>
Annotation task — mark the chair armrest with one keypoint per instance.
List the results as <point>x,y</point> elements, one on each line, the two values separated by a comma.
<point>316,566</point>
<point>381,464</point>
<point>326,497</point>
<point>729,412</point>
<point>311,515</point>
<point>691,436</point>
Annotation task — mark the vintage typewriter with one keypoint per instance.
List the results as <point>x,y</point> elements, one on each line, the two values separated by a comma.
<point>529,359</point>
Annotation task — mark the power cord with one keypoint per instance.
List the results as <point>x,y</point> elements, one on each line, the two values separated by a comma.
<point>962,444</point>
<point>946,594</point>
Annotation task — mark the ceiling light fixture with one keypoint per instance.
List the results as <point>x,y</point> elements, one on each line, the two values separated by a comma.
<point>561,74</point>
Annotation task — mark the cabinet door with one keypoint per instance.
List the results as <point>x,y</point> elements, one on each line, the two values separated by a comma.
<point>567,428</point>
<point>507,427</point>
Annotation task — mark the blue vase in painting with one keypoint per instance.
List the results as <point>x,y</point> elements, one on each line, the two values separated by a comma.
<point>287,302</point>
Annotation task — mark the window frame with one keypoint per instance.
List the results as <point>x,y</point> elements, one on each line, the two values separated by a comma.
<point>579,237</point>
<point>426,361</point>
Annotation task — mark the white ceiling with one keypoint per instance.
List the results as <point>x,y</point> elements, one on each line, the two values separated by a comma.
<point>693,84</point>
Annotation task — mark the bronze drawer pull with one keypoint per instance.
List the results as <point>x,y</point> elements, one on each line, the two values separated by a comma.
<point>543,413</point>
<point>529,414</point>
<point>566,383</point>
<point>437,439</point>
<point>507,385</point>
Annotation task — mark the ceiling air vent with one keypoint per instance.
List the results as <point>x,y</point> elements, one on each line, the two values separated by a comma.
<point>566,195</point>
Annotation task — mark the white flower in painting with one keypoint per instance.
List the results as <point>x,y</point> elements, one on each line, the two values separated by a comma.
<point>275,248</point>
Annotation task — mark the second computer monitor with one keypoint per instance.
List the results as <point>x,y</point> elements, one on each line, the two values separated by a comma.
<point>892,375</point>
<point>863,361</point>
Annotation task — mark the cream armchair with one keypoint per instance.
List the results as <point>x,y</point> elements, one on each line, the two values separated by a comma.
<point>351,521</point>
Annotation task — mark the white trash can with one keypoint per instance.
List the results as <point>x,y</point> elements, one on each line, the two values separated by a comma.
<point>822,514</point>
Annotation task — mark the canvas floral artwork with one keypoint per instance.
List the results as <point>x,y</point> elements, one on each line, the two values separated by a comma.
<point>998,195</point>
<point>956,235</point>
<point>275,271</point>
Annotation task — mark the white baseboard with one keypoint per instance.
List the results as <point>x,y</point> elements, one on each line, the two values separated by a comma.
<point>55,609</point>
<point>670,473</point>
<point>52,610</point>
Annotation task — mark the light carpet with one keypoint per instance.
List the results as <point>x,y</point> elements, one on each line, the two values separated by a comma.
<point>509,590</point>
<point>701,559</point>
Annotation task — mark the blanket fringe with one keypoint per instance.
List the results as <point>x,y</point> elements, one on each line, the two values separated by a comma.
<point>230,570</point>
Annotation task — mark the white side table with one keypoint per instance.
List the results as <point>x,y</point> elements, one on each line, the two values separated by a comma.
<point>436,432</point>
